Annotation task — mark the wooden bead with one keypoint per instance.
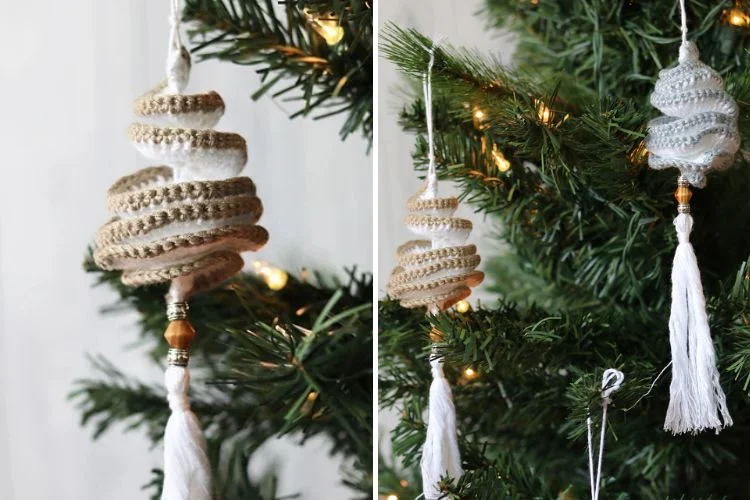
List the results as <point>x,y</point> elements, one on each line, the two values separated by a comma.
<point>179,334</point>
<point>683,194</point>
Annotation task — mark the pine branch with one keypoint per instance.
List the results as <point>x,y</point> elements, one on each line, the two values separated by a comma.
<point>554,158</point>
<point>294,62</point>
<point>297,361</point>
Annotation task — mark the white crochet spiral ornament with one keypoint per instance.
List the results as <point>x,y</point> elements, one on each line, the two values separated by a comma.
<point>183,222</point>
<point>436,273</point>
<point>698,134</point>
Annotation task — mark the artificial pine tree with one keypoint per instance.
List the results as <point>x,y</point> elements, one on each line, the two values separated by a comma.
<point>276,354</point>
<point>553,150</point>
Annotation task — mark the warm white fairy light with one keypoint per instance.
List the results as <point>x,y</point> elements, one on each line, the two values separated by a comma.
<point>392,497</point>
<point>275,278</point>
<point>501,162</point>
<point>544,113</point>
<point>470,373</point>
<point>547,116</point>
<point>462,306</point>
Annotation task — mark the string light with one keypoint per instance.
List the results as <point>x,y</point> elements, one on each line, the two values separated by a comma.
<point>547,115</point>
<point>462,306</point>
<point>307,406</point>
<point>470,373</point>
<point>501,162</point>
<point>392,497</point>
<point>479,117</point>
<point>328,27</point>
<point>736,16</point>
<point>275,278</point>
<point>404,483</point>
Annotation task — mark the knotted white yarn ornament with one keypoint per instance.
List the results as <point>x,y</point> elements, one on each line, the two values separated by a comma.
<point>612,379</point>
<point>436,273</point>
<point>185,222</point>
<point>698,134</point>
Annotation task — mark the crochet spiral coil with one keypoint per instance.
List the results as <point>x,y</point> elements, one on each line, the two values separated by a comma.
<point>439,271</point>
<point>699,132</point>
<point>191,217</point>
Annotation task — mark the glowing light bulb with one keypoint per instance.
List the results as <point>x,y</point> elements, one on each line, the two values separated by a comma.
<point>478,117</point>
<point>276,278</point>
<point>404,483</point>
<point>462,306</point>
<point>470,373</point>
<point>548,116</point>
<point>501,162</point>
<point>392,497</point>
<point>328,27</point>
<point>544,113</point>
<point>736,16</point>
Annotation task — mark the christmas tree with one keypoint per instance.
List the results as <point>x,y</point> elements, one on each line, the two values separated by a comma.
<point>276,354</point>
<point>554,150</point>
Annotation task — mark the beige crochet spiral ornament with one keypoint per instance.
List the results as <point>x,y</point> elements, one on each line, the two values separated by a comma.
<point>436,273</point>
<point>183,222</point>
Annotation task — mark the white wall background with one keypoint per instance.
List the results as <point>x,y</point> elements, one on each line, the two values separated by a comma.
<point>69,73</point>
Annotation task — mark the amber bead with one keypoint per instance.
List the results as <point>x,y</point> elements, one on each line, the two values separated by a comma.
<point>180,334</point>
<point>683,194</point>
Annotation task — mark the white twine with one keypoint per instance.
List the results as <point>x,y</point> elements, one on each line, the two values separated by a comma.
<point>427,91</point>
<point>683,13</point>
<point>611,381</point>
<point>177,65</point>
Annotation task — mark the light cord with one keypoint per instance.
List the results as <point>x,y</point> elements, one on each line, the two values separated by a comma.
<point>611,381</point>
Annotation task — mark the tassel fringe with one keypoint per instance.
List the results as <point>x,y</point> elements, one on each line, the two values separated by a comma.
<point>696,400</point>
<point>187,471</point>
<point>440,455</point>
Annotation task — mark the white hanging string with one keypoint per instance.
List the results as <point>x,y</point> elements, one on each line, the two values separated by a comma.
<point>175,39</point>
<point>178,62</point>
<point>611,381</point>
<point>427,91</point>
<point>684,21</point>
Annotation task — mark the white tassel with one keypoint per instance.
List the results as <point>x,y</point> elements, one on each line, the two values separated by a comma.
<point>187,471</point>
<point>696,398</point>
<point>440,455</point>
